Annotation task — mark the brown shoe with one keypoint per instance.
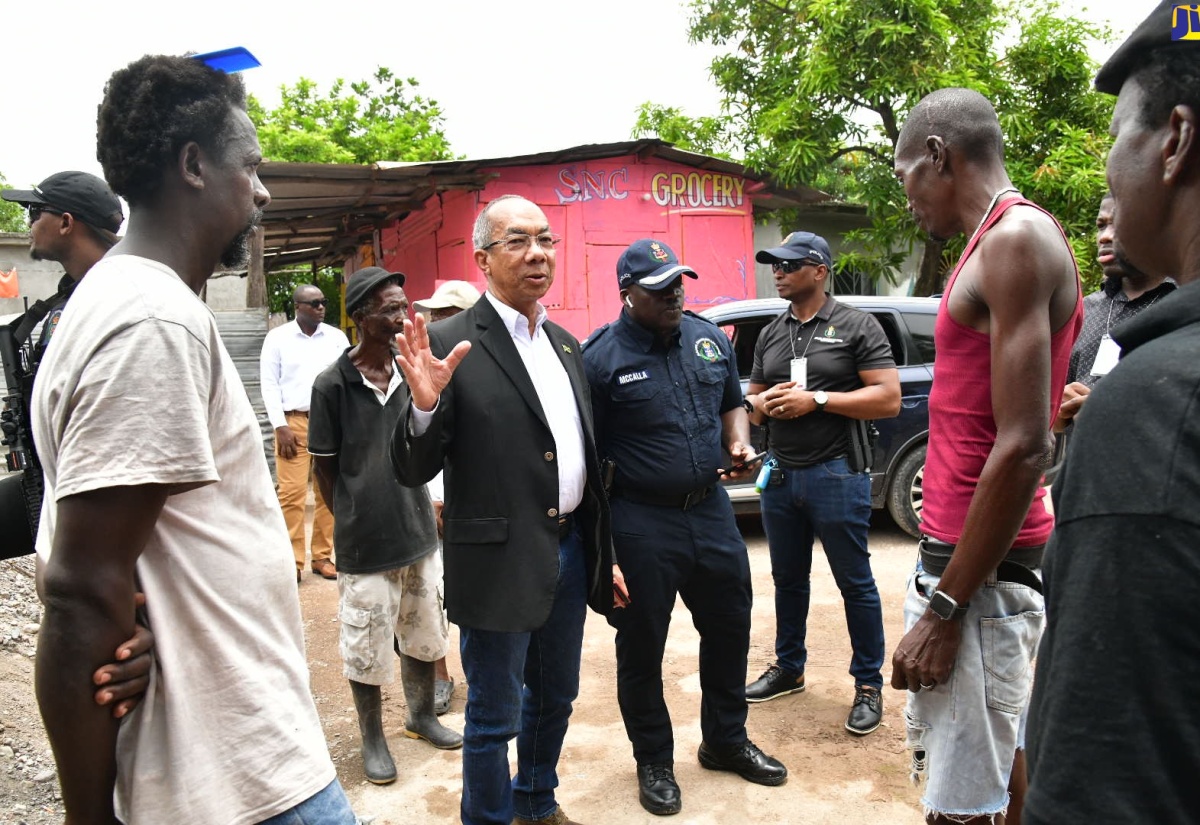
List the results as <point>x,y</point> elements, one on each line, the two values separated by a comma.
<point>559,817</point>
<point>325,569</point>
<point>297,577</point>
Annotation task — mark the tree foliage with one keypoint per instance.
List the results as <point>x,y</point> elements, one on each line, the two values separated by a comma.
<point>381,118</point>
<point>12,215</point>
<point>815,91</point>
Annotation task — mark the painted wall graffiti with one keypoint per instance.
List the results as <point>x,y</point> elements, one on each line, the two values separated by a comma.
<point>582,186</point>
<point>697,189</point>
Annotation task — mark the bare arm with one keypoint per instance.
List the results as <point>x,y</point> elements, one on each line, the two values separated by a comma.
<point>89,590</point>
<point>753,395</point>
<point>1022,275</point>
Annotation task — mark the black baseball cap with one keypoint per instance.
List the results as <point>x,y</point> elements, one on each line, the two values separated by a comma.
<point>85,196</point>
<point>798,246</point>
<point>363,282</point>
<point>1160,30</point>
<point>650,264</point>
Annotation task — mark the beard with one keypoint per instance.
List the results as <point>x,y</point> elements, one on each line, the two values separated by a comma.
<point>237,254</point>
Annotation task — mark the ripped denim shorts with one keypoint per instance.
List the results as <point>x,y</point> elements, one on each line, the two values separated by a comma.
<point>963,734</point>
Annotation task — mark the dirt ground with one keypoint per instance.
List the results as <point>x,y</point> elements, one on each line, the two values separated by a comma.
<point>834,777</point>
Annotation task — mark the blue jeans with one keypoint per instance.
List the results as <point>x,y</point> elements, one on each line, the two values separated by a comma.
<point>522,685</point>
<point>326,807</point>
<point>830,502</point>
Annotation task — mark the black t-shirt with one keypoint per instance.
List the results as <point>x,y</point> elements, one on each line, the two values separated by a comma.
<point>839,342</point>
<point>1113,731</point>
<point>378,523</point>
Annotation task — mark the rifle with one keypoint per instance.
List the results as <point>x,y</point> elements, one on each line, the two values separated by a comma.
<point>21,489</point>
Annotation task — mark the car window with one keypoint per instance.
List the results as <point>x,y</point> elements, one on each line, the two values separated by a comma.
<point>891,328</point>
<point>920,326</point>
<point>744,336</point>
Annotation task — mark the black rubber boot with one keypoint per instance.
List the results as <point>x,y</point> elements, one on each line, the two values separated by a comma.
<point>377,761</point>
<point>417,677</point>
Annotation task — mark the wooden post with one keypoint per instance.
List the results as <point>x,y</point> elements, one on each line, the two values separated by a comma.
<point>256,278</point>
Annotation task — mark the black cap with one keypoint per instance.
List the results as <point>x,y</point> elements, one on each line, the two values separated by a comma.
<point>363,282</point>
<point>650,264</point>
<point>85,196</point>
<point>1170,25</point>
<point>798,246</point>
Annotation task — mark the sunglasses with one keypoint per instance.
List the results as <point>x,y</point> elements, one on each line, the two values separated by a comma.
<point>317,304</point>
<point>36,210</point>
<point>791,266</point>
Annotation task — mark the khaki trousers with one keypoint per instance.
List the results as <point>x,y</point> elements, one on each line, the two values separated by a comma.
<point>294,475</point>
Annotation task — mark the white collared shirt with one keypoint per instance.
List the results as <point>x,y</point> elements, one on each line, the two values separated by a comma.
<point>291,361</point>
<point>553,387</point>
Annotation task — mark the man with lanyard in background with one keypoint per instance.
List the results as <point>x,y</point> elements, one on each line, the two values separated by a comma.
<point>1124,293</point>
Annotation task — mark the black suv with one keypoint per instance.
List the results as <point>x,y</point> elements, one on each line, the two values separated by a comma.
<point>900,451</point>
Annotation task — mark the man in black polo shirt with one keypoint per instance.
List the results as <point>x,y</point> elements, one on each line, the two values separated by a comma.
<point>1124,293</point>
<point>817,366</point>
<point>390,573</point>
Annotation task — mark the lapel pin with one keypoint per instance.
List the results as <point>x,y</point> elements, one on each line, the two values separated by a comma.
<point>566,348</point>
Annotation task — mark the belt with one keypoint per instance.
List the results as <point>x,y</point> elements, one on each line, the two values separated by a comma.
<point>303,413</point>
<point>1017,566</point>
<point>565,523</point>
<point>679,502</point>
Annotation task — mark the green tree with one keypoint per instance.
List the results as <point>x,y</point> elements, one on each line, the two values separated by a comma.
<point>379,119</point>
<point>12,215</point>
<point>815,91</point>
<point>372,120</point>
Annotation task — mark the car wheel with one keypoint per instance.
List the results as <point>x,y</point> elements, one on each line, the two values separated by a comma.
<point>906,495</point>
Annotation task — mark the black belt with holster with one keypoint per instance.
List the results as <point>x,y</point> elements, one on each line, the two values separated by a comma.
<point>1017,567</point>
<point>685,501</point>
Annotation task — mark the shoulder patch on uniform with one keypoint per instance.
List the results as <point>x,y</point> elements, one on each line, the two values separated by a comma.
<point>707,349</point>
<point>586,341</point>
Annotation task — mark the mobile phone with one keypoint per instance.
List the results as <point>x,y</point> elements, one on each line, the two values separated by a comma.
<point>750,461</point>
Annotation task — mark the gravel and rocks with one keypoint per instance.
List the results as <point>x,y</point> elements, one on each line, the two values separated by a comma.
<point>29,791</point>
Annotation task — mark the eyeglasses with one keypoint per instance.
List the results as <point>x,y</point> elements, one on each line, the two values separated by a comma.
<point>317,304</point>
<point>791,266</point>
<point>520,242</point>
<point>36,210</point>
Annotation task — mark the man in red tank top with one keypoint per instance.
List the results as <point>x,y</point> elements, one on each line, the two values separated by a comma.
<point>974,610</point>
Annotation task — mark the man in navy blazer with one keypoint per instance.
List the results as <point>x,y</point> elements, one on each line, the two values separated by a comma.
<point>526,524</point>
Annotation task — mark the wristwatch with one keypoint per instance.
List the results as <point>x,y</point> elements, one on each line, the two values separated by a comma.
<point>820,398</point>
<point>749,405</point>
<point>945,608</point>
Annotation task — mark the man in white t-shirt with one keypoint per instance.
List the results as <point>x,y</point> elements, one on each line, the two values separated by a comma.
<point>155,480</point>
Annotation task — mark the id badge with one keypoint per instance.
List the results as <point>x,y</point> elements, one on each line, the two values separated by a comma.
<point>1106,357</point>
<point>800,372</point>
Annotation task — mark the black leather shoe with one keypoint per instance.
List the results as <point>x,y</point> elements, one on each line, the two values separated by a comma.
<point>657,789</point>
<point>746,760</point>
<point>866,712</point>
<point>774,683</point>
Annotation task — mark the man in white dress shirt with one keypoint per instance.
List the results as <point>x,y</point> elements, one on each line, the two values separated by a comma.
<point>293,355</point>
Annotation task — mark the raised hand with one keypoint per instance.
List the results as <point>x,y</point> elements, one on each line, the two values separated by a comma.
<point>426,375</point>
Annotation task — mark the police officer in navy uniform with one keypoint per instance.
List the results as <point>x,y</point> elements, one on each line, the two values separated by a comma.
<point>668,406</point>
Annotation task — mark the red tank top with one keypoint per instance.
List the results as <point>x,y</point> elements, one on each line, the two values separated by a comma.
<point>962,430</point>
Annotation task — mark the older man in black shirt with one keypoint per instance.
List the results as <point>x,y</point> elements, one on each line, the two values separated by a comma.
<point>390,581</point>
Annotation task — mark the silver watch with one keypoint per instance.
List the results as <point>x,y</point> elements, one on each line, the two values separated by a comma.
<point>944,606</point>
<point>820,398</point>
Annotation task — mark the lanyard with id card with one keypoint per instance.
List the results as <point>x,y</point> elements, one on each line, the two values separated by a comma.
<point>1107,356</point>
<point>799,363</point>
